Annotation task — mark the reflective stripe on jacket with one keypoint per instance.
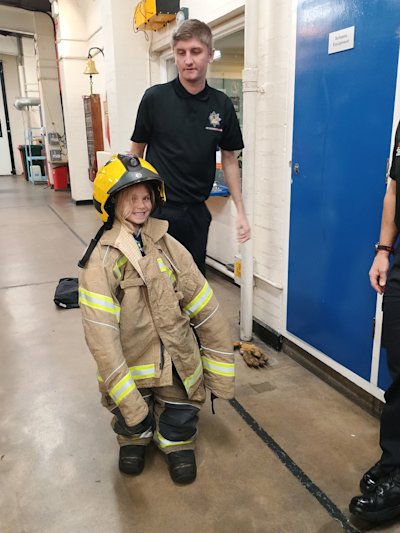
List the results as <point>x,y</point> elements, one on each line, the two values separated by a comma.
<point>135,328</point>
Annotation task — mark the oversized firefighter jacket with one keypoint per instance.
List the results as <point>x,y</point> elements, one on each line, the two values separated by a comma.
<point>137,324</point>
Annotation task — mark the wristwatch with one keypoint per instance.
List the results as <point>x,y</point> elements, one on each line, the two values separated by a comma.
<point>379,246</point>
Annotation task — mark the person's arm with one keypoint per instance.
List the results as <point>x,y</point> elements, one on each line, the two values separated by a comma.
<point>138,149</point>
<point>100,317</point>
<point>199,302</point>
<point>388,234</point>
<point>231,171</point>
<point>143,126</point>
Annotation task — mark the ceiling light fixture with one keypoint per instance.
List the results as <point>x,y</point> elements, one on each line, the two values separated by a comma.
<point>217,55</point>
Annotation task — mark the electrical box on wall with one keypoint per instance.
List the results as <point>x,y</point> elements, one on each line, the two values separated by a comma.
<point>154,14</point>
<point>55,152</point>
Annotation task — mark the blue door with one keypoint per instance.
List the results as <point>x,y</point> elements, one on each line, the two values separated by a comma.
<point>341,141</point>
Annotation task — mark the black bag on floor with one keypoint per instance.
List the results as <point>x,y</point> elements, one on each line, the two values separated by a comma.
<point>66,295</point>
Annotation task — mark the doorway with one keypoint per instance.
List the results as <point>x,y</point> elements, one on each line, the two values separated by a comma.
<point>6,164</point>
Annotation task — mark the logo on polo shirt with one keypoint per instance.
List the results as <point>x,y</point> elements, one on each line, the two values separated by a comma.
<point>215,121</point>
<point>398,150</point>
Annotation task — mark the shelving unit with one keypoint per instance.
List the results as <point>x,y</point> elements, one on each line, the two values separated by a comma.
<point>33,160</point>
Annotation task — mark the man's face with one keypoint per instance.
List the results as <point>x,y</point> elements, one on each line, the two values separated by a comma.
<point>192,58</point>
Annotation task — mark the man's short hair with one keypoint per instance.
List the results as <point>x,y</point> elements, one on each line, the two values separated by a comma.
<point>193,29</point>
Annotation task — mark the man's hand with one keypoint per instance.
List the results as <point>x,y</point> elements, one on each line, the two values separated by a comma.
<point>232,179</point>
<point>378,272</point>
<point>242,228</point>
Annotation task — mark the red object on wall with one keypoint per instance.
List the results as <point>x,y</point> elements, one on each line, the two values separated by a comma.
<point>60,178</point>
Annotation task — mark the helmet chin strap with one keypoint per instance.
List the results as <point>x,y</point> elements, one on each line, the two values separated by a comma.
<point>107,225</point>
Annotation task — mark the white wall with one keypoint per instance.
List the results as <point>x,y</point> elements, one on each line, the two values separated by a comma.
<point>214,11</point>
<point>8,45</point>
<point>273,154</point>
<point>78,29</point>
<point>127,71</point>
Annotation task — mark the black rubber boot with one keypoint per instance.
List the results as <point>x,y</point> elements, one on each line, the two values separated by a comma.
<point>131,459</point>
<point>182,466</point>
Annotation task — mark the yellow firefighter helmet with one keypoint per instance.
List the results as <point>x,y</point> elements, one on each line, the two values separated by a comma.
<point>121,171</point>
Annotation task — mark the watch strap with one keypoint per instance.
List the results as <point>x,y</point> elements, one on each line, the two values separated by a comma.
<point>383,247</point>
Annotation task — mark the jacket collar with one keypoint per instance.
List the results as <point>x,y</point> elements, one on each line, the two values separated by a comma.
<point>153,228</point>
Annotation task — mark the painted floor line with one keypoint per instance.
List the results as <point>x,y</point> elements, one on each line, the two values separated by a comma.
<point>313,489</point>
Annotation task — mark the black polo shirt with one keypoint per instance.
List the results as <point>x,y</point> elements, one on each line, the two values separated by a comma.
<point>182,132</point>
<point>395,174</point>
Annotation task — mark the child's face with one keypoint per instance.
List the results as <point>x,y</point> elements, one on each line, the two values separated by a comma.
<point>138,204</point>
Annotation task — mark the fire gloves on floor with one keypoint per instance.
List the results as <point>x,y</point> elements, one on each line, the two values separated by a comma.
<point>252,355</point>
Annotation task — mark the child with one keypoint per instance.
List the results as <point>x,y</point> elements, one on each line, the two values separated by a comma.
<point>151,322</point>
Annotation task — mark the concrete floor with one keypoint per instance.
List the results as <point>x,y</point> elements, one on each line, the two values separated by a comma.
<point>287,459</point>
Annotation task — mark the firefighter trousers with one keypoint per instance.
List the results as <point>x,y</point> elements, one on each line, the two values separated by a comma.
<point>175,415</point>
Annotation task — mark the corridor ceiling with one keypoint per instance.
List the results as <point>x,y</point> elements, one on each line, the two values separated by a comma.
<point>32,5</point>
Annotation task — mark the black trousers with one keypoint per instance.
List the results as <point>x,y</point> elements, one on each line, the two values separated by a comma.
<point>390,419</point>
<point>189,224</point>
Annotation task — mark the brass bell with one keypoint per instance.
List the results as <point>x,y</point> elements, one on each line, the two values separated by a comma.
<point>90,67</point>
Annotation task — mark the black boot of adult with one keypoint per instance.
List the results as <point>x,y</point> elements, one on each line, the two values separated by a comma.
<point>373,477</point>
<point>381,505</point>
<point>182,466</point>
<point>131,459</point>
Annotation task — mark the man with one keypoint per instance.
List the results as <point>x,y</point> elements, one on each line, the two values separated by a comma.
<point>181,124</point>
<point>381,484</point>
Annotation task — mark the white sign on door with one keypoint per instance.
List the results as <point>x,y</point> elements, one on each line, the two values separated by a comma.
<point>341,40</point>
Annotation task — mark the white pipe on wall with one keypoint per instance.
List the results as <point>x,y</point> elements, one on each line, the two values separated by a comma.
<point>21,103</point>
<point>250,78</point>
